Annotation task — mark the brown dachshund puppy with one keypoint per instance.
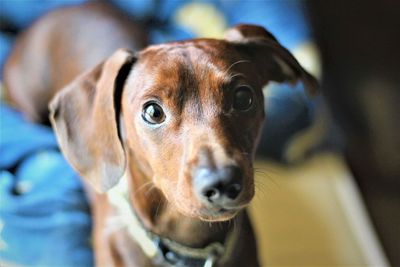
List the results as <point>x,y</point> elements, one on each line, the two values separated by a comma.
<point>166,136</point>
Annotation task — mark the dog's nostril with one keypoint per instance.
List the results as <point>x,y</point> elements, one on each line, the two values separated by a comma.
<point>233,190</point>
<point>211,193</point>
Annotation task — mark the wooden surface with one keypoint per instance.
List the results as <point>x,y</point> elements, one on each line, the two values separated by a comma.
<point>312,215</point>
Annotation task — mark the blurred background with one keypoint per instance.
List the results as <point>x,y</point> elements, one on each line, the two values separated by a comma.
<point>327,170</point>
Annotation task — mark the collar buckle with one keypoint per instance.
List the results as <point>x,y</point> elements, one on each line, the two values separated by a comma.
<point>175,254</point>
<point>211,260</point>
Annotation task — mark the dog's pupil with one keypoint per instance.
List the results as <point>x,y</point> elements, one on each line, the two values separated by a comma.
<point>154,111</point>
<point>243,99</point>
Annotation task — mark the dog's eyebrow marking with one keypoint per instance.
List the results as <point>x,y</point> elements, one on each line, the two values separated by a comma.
<point>188,86</point>
<point>151,95</point>
<point>233,80</point>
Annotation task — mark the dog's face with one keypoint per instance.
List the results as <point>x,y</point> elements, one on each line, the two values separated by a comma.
<point>191,112</point>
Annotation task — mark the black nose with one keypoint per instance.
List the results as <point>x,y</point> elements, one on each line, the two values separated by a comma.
<point>218,186</point>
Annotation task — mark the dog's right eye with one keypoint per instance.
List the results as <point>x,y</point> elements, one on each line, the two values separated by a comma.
<point>153,113</point>
<point>243,98</point>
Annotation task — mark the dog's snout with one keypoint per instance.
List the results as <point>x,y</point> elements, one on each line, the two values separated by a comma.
<point>220,187</point>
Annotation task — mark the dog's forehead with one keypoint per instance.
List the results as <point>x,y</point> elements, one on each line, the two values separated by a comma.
<point>198,55</point>
<point>209,48</point>
<point>186,69</point>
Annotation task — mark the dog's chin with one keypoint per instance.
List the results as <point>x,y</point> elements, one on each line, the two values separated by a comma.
<point>211,214</point>
<point>218,216</point>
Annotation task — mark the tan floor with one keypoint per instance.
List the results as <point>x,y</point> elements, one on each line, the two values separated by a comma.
<point>311,215</point>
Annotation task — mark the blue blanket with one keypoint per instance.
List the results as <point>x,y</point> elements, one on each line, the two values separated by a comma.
<point>44,215</point>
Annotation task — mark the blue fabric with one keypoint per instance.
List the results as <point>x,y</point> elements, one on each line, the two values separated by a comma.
<point>22,13</point>
<point>6,41</point>
<point>19,138</point>
<point>284,18</point>
<point>287,110</point>
<point>138,9</point>
<point>44,215</point>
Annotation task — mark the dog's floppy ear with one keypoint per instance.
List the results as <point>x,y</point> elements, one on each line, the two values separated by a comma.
<point>85,117</point>
<point>266,47</point>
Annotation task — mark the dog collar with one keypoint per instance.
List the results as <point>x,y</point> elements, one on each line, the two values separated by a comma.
<point>164,251</point>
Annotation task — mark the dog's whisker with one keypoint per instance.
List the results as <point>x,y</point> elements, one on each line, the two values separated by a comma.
<point>265,184</point>
<point>268,170</point>
<point>265,175</point>
<point>236,75</point>
<point>160,202</point>
<point>142,187</point>
<point>261,187</point>
<point>235,63</point>
<point>259,182</point>
<point>259,193</point>
<point>150,189</point>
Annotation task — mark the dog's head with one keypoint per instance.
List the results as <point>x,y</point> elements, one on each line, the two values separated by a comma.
<point>189,112</point>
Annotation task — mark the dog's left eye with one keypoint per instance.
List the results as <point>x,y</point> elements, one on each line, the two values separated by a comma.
<point>153,113</point>
<point>243,98</point>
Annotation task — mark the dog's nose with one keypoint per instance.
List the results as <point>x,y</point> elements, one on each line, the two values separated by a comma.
<point>220,187</point>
